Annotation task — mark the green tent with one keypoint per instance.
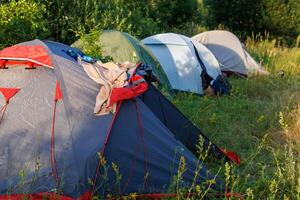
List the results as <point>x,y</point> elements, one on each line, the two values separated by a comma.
<point>123,47</point>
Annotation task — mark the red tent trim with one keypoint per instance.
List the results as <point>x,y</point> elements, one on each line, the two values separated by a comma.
<point>88,196</point>
<point>8,93</point>
<point>24,59</point>
<point>36,54</point>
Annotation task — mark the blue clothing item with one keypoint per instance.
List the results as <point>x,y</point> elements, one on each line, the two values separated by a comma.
<point>75,54</point>
<point>88,59</point>
<point>221,85</point>
<point>146,71</point>
<point>72,53</point>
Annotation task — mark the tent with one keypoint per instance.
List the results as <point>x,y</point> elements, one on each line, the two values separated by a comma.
<point>230,52</point>
<point>183,129</point>
<point>188,65</point>
<point>123,47</point>
<point>51,143</point>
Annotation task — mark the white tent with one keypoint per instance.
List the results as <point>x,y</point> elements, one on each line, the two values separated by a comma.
<point>183,60</point>
<point>230,52</point>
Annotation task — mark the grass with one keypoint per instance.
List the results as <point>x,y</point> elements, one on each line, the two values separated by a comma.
<point>260,121</point>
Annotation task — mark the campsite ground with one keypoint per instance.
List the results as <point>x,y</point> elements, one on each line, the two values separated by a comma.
<point>260,121</point>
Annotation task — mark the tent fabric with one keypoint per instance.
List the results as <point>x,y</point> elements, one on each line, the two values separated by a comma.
<point>108,76</point>
<point>36,54</point>
<point>138,142</point>
<point>183,60</point>
<point>229,51</point>
<point>123,47</point>
<point>252,66</point>
<point>153,149</point>
<point>129,92</point>
<point>209,60</point>
<point>183,129</point>
<point>2,63</point>
<point>8,93</point>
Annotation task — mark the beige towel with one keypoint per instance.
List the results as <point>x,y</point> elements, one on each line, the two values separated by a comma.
<point>108,76</point>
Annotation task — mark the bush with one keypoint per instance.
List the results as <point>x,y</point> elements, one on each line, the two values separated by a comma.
<point>279,18</point>
<point>88,45</point>
<point>25,24</point>
<point>282,19</point>
<point>68,18</point>
<point>171,14</point>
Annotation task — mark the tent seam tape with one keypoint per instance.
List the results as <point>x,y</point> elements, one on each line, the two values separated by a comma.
<point>26,59</point>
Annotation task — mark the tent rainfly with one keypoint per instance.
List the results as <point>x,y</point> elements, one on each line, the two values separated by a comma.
<point>230,52</point>
<point>189,66</point>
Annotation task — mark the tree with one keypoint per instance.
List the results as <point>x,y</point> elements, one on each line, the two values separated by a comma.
<point>279,18</point>
<point>282,19</point>
<point>68,18</point>
<point>172,13</point>
<point>25,23</point>
<point>242,16</point>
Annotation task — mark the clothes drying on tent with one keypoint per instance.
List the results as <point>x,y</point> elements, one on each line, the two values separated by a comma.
<point>50,134</point>
<point>123,47</point>
<point>189,66</point>
<point>108,76</point>
<point>230,52</point>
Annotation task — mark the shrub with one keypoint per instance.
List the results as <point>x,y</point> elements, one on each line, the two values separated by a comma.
<point>280,18</point>
<point>25,23</point>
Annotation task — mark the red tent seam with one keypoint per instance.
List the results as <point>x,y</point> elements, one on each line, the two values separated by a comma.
<point>26,59</point>
<point>58,96</point>
<point>104,146</point>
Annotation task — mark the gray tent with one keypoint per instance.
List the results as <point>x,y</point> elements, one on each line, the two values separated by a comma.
<point>230,52</point>
<point>50,141</point>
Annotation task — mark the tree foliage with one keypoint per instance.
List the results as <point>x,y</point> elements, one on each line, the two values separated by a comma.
<point>65,20</point>
<point>282,18</point>
<point>172,13</point>
<point>21,20</point>
<point>279,18</point>
<point>240,15</point>
<point>70,17</point>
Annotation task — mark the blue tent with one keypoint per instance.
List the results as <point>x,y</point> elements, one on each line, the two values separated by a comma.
<point>50,141</point>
